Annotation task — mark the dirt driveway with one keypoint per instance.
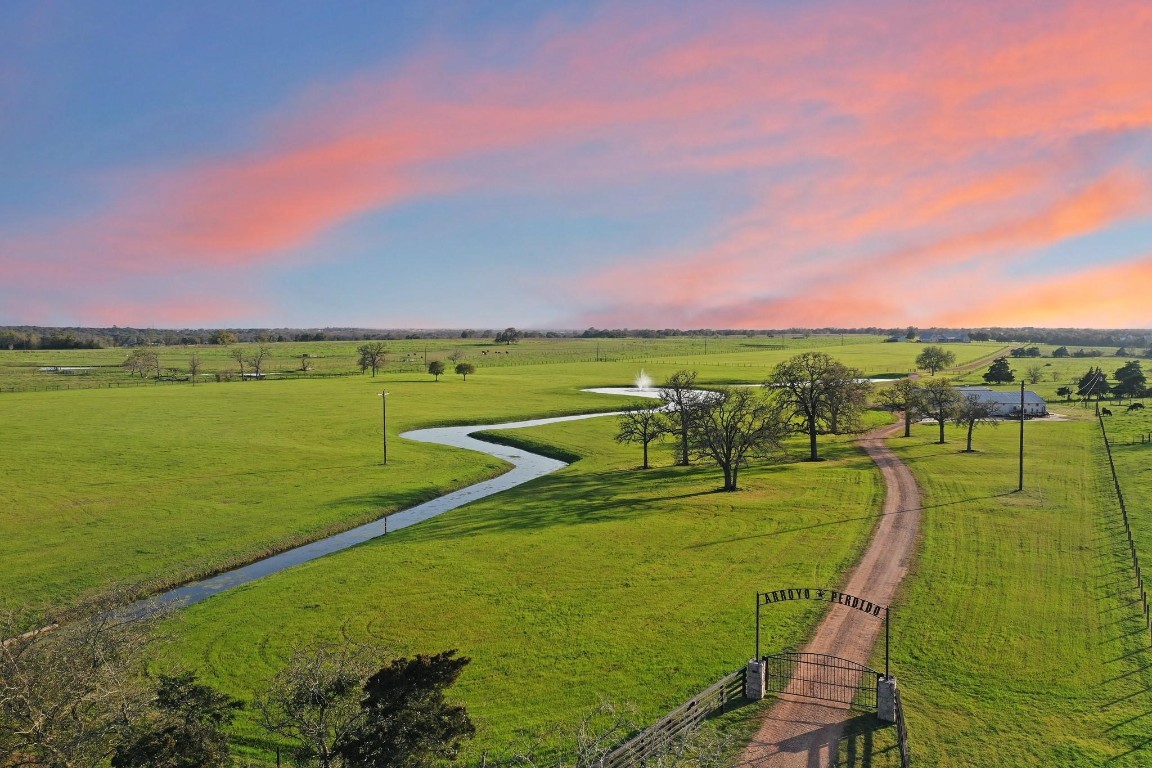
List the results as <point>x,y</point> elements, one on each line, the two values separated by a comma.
<point>806,734</point>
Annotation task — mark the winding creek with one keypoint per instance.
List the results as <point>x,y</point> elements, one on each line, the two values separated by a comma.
<point>525,466</point>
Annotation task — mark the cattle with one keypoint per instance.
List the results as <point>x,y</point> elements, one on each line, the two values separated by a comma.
<point>1105,412</point>
<point>1136,407</point>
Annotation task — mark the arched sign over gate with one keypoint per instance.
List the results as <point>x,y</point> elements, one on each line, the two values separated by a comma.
<point>824,595</point>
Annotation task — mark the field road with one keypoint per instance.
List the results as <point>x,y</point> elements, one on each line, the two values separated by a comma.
<point>804,733</point>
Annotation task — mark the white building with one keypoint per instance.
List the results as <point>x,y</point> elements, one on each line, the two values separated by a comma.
<point>1008,403</point>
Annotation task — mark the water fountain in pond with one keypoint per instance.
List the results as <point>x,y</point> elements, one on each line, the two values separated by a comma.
<point>643,381</point>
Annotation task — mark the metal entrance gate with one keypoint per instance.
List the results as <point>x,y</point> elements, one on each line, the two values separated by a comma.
<point>817,676</point>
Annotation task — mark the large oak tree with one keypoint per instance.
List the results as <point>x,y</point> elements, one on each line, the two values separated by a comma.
<point>732,425</point>
<point>972,410</point>
<point>904,396</point>
<point>935,358</point>
<point>820,394</point>
<point>679,395</point>
<point>641,423</point>
<point>938,401</point>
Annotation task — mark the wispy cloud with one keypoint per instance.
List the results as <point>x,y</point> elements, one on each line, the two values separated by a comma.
<point>883,148</point>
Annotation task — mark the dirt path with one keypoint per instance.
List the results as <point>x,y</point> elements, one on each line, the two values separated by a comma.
<point>806,734</point>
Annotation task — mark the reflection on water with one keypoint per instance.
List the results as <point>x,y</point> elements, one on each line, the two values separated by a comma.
<point>526,466</point>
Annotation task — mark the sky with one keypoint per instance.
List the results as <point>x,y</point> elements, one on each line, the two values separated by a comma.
<point>666,164</point>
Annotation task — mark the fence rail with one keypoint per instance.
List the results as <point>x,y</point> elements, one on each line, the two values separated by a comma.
<point>902,732</point>
<point>1128,531</point>
<point>679,721</point>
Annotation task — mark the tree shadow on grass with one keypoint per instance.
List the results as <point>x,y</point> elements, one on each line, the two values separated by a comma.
<point>868,742</point>
<point>863,741</point>
<point>967,501</point>
<point>563,500</point>
<point>1137,747</point>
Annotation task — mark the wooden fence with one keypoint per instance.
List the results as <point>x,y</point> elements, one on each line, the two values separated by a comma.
<point>902,732</point>
<point>1127,530</point>
<point>679,722</point>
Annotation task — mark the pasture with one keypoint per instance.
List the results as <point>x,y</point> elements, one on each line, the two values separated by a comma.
<point>1019,641</point>
<point>102,368</point>
<point>597,581</point>
<point>161,484</point>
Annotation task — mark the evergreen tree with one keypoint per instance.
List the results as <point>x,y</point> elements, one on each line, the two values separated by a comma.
<point>406,721</point>
<point>1130,380</point>
<point>1094,382</point>
<point>189,729</point>
<point>999,372</point>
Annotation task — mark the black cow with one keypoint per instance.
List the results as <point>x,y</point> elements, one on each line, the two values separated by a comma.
<point>1105,412</point>
<point>1136,407</point>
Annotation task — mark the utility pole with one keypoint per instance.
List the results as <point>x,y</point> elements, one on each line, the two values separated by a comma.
<point>1020,486</point>
<point>384,422</point>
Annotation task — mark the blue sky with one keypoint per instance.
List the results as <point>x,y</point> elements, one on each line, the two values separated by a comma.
<point>570,164</point>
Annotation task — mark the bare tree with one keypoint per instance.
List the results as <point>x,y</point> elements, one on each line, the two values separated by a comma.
<point>973,410</point>
<point>938,401</point>
<point>641,423</point>
<point>1034,374</point>
<point>609,725</point>
<point>142,362</point>
<point>256,359</point>
<point>314,701</point>
<point>821,394</point>
<point>240,357</point>
<point>732,425</point>
<point>904,396</point>
<point>847,399</point>
<point>194,366</point>
<point>371,356</point>
<point>679,395</point>
<point>69,690</point>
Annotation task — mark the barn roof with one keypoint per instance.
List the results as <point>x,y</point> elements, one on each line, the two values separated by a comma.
<point>1003,398</point>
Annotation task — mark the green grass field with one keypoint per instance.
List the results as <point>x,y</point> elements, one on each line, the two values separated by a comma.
<point>1019,641</point>
<point>101,368</point>
<point>164,483</point>
<point>598,581</point>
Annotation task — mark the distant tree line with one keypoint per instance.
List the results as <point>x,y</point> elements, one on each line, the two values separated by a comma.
<point>82,337</point>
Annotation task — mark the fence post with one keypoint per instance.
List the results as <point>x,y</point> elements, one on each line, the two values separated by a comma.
<point>886,699</point>
<point>754,680</point>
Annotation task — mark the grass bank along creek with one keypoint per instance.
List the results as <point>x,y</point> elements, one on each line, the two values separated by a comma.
<point>525,466</point>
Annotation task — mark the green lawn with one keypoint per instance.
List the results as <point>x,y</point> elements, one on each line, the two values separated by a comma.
<point>598,581</point>
<point>1018,642</point>
<point>101,368</point>
<point>1130,434</point>
<point>164,483</point>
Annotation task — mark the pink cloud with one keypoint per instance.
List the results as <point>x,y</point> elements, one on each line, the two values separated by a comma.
<point>1115,296</point>
<point>879,144</point>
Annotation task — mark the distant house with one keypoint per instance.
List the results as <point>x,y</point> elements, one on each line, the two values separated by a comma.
<point>945,338</point>
<point>1008,403</point>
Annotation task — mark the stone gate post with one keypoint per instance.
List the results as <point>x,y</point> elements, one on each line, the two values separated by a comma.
<point>754,680</point>
<point>886,699</point>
